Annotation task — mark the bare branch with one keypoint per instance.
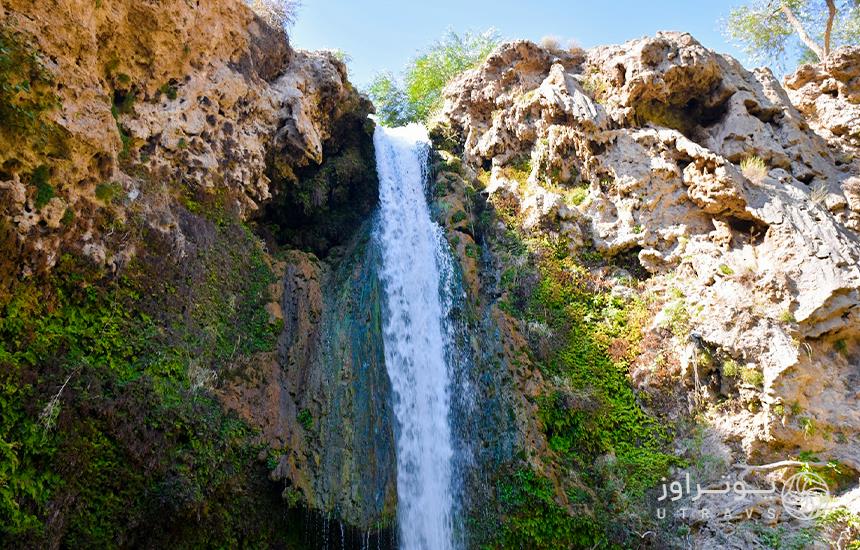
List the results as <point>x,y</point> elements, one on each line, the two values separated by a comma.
<point>801,32</point>
<point>828,29</point>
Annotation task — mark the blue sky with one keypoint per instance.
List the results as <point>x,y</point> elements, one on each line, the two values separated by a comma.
<point>385,34</point>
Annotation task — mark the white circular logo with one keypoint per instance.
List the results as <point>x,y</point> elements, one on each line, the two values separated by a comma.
<point>805,495</point>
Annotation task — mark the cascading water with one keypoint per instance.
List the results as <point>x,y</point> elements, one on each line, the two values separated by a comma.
<point>416,273</point>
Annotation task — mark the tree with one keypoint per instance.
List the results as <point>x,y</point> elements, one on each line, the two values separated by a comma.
<point>389,98</point>
<point>765,29</point>
<point>420,95</point>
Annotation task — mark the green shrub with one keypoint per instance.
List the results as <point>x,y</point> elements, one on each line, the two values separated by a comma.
<point>108,192</point>
<point>533,519</point>
<point>169,90</point>
<point>731,368</point>
<point>305,419</point>
<point>752,376</point>
<point>44,189</point>
<point>577,195</point>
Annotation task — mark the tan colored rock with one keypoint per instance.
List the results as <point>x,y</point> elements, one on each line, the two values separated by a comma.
<point>208,109</point>
<point>828,95</point>
<point>769,270</point>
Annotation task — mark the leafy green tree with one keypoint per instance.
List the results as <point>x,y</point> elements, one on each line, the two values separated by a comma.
<point>420,95</point>
<point>765,29</point>
<point>389,98</point>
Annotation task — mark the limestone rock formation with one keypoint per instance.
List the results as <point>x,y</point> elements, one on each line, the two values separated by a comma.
<point>144,143</point>
<point>738,198</point>
<point>154,101</point>
<point>828,95</point>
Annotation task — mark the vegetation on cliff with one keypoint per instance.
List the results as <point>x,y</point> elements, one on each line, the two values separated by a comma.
<point>419,96</point>
<point>109,432</point>
<point>605,451</point>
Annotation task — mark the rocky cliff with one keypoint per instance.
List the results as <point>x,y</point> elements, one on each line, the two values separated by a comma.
<point>658,250</point>
<point>159,160</point>
<point>656,210</point>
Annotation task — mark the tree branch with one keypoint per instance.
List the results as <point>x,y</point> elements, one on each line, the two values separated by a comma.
<point>801,32</point>
<point>831,15</point>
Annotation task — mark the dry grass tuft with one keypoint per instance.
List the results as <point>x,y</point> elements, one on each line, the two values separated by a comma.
<point>754,168</point>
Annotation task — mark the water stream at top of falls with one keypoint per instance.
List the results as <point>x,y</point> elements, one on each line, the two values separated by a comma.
<point>416,273</point>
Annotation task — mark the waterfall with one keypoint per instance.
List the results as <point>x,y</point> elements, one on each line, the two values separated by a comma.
<point>416,273</point>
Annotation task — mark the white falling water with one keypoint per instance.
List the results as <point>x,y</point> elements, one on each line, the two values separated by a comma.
<point>415,269</point>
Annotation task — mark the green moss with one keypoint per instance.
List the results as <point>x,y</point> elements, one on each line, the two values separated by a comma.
<point>752,376</point>
<point>458,217</point>
<point>591,411</point>
<point>533,519</point>
<point>44,190</point>
<point>596,86</point>
<point>577,195</point>
<point>726,270</point>
<point>169,90</point>
<point>108,192</point>
<point>305,419</point>
<point>26,88</point>
<point>130,441</point>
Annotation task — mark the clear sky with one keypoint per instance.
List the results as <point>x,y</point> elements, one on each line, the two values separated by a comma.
<point>384,34</point>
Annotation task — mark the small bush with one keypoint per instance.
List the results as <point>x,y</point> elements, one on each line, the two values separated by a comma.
<point>754,168</point>
<point>752,376</point>
<point>44,189</point>
<point>574,48</point>
<point>277,13</point>
<point>305,419</point>
<point>458,216</point>
<point>551,43</point>
<point>108,192</point>
<point>577,195</point>
<point>731,368</point>
<point>169,90</point>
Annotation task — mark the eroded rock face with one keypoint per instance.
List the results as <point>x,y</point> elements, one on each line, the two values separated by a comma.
<point>828,95</point>
<point>153,102</point>
<point>162,115</point>
<point>639,148</point>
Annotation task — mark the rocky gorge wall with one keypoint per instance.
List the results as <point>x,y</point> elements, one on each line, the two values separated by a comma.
<point>658,251</point>
<point>656,208</point>
<point>174,368</point>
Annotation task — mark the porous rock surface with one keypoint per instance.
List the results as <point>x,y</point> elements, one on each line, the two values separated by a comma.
<point>161,99</point>
<point>764,262</point>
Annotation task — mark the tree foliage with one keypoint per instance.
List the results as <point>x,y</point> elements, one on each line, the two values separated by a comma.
<point>419,95</point>
<point>768,30</point>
